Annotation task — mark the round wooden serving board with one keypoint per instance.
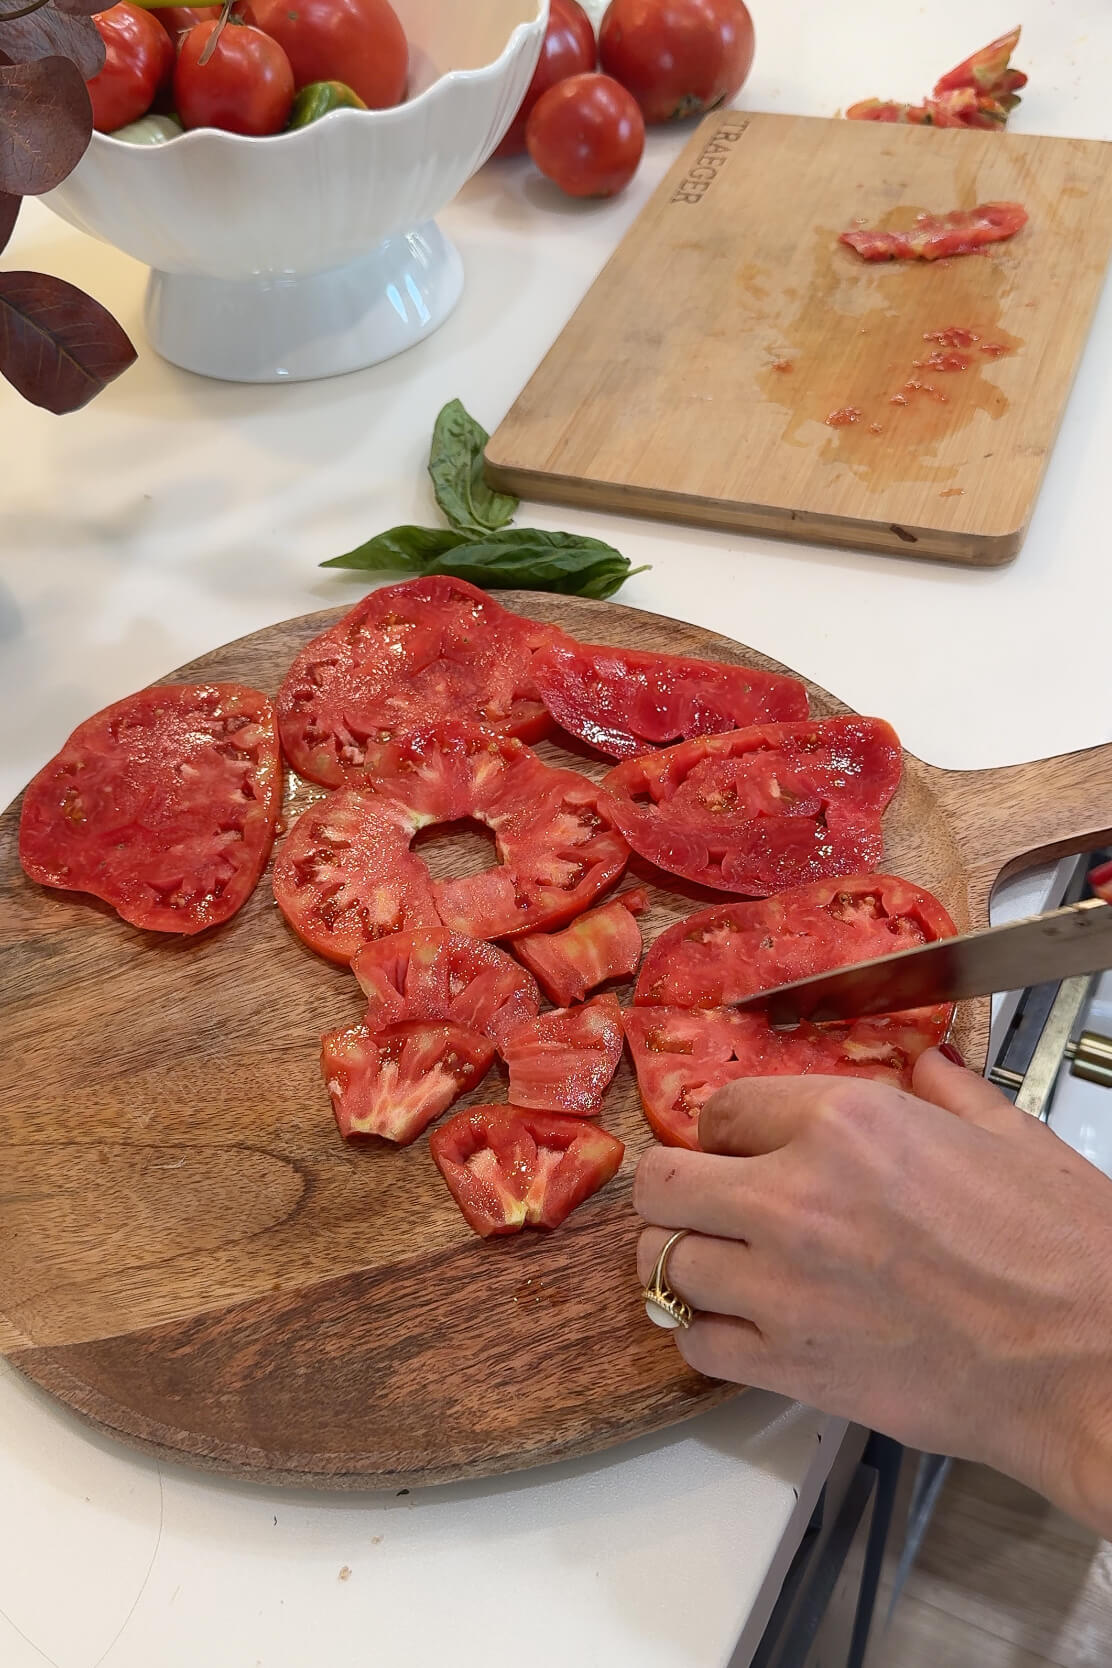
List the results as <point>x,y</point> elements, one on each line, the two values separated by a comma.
<point>192,1259</point>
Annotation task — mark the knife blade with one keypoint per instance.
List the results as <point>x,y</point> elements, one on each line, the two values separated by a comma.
<point>1038,950</point>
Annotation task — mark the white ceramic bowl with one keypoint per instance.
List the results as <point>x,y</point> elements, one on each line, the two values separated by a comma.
<point>315,252</point>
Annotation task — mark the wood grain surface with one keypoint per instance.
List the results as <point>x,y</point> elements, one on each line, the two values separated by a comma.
<point>193,1259</point>
<point>695,379</point>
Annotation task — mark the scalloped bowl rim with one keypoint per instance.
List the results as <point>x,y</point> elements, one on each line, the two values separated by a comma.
<point>396,114</point>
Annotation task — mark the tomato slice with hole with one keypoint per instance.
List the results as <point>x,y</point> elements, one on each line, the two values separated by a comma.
<point>626,702</point>
<point>427,648</point>
<point>164,805</point>
<point>508,1169</point>
<point>345,874</point>
<point>932,237</point>
<point>394,1082</point>
<point>563,1061</point>
<point>733,950</point>
<point>682,1055</point>
<point>603,944</point>
<point>763,809</point>
<point>441,975</point>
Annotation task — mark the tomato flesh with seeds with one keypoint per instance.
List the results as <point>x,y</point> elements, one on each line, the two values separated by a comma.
<point>164,805</point>
<point>393,1083</point>
<point>563,1061</point>
<point>602,944</point>
<point>734,950</point>
<point>508,1168</point>
<point>407,654</point>
<point>685,1043</point>
<point>933,237</point>
<point>763,809</point>
<point>682,1055</point>
<point>625,701</point>
<point>441,975</point>
<point>345,874</point>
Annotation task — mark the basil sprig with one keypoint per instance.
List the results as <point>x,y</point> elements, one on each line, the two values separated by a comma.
<point>479,545</point>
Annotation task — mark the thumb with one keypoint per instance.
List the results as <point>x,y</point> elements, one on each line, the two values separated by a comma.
<point>960,1091</point>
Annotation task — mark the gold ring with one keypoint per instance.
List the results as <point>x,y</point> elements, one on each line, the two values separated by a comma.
<point>662,1305</point>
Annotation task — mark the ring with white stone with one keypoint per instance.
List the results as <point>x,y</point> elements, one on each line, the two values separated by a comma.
<point>662,1305</point>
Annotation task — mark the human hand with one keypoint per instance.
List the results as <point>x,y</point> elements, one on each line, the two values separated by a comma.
<point>936,1266</point>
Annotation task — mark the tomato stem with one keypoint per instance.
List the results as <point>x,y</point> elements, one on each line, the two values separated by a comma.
<point>211,43</point>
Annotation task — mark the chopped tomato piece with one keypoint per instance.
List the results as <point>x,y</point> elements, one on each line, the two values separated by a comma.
<point>563,1061</point>
<point>444,975</point>
<point>603,944</point>
<point>1101,881</point>
<point>425,649</point>
<point>164,805</point>
<point>734,950</point>
<point>508,1169</point>
<point>762,809</point>
<point>625,702</point>
<point>345,874</point>
<point>933,237</point>
<point>393,1083</point>
<point>981,92</point>
<point>682,1055</point>
<point>987,71</point>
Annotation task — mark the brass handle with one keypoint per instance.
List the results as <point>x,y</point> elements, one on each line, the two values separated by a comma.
<point>1090,1057</point>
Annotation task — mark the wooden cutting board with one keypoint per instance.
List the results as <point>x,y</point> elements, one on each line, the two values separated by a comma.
<point>191,1257</point>
<point>697,378</point>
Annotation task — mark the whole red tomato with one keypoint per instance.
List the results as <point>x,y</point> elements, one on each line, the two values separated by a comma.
<point>586,134</point>
<point>677,57</point>
<point>138,56</point>
<point>358,42</point>
<point>178,20</point>
<point>568,48</point>
<point>245,87</point>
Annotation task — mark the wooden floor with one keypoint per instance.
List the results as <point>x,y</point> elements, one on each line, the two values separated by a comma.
<point>1002,1581</point>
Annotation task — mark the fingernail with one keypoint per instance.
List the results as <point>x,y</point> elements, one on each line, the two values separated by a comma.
<point>954,1055</point>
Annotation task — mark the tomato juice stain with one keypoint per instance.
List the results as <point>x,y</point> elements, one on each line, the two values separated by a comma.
<point>913,340</point>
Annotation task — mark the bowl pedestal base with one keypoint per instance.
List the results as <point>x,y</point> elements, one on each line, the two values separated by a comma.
<point>286,327</point>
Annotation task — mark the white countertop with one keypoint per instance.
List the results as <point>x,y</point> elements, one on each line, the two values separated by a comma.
<point>175,514</point>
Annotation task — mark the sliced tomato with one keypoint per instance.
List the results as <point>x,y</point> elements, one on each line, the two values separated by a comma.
<point>603,944</point>
<point>733,950</point>
<point>625,701</point>
<point>164,805</point>
<point>887,110</point>
<point>1100,880</point>
<point>393,1083</point>
<point>345,875</point>
<point>508,1169</point>
<point>425,649</point>
<point>440,975</point>
<point>682,1055</point>
<point>563,1061</point>
<point>933,237</point>
<point>759,810</point>
<point>981,92</point>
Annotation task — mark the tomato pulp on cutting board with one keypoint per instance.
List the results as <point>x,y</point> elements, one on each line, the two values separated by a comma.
<point>164,805</point>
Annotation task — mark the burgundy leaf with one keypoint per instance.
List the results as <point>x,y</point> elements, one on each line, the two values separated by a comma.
<point>50,34</point>
<point>9,212</point>
<point>46,122</point>
<point>58,347</point>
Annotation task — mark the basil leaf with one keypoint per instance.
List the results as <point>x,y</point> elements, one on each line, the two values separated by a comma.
<point>531,560</point>
<point>456,468</point>
<point>401,550</point>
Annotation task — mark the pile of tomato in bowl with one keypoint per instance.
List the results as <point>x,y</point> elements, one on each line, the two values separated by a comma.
<point>257,68</point>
